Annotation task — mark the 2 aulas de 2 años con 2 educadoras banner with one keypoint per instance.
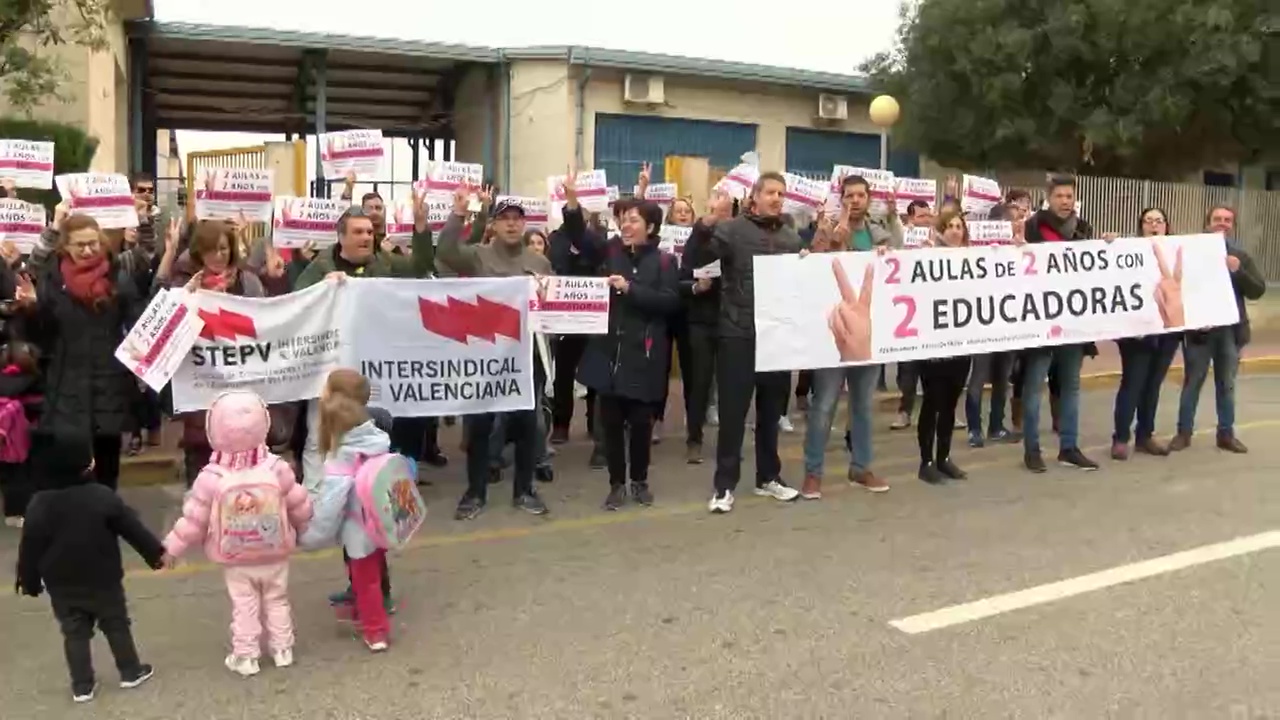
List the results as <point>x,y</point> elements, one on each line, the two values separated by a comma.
<point>854,308</point>
<point>428,347</point>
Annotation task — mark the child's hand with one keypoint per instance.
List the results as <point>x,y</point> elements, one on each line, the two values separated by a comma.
<point>167,562</point>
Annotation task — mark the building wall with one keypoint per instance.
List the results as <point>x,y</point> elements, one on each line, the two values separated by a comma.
<point>542,134</point>
<point>474,119</point>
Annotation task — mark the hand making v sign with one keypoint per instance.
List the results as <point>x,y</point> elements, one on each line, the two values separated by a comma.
<point>850,320</point>
<point>1169,289</point>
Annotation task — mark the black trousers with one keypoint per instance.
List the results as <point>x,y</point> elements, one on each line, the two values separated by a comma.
<point>416,437</point>
<point>804,383</point>
<point>625,418</point>
<point>943,382</point>
<point>568,353</point>
<point>106,460</point>
<point>703,342</point>
<point>522,427</point>
<point>736,382</point>
<point>15,488</point>
<point>78,612</point>
<point>678,337</point>
<point>908,375</point>
<point>144,411</point>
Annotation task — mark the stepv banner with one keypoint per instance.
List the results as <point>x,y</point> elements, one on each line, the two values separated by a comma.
<point>856,308</point>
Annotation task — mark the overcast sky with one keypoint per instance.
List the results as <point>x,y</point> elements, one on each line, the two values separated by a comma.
<point>831,37</point>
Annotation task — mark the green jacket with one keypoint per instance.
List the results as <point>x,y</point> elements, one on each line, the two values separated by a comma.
<point>415,265</point>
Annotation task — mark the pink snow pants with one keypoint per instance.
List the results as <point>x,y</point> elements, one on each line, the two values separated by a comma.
<point>259,591</point>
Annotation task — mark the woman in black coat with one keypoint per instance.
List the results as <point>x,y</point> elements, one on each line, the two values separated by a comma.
<point>81,304</point>
<point>627,368</point>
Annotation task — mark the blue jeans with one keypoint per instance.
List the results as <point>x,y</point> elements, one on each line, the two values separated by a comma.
<point>991,368</point>
<point>1144,362</point>
<point>1219,347</point>
<point>1037,362</point>
<point>822,412</point>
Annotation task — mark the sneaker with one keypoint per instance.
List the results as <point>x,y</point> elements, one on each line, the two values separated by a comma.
<point>468,508</point>
<point>598,461</point>
<point>721,502</point>
<point>811,489</point>
<point>713,416</point>
<point>1003,435</point>
<point>144,674</point>
<point>283,658</point>
<point>1119,451</point>
<point>868,481</point>
<point>559,436</point>
<point>975,440</point>
<point>544,474</point>
<point>901,422</point>
<point>242,666</point>
<point>580,391</point>
<point>693,454</point>
<point>656,434</point>
<point>951,470</point>
<point>784,424</point>
<point>930,474</point>
<point>1151,447</point>
<point>802,403</point>
<point>1034,461</point>
<point>531,504</point>
<point>1181,441</point>
<point>83,695</point>
<point>436,459</point>
<point>376,644</point>
<point>1072,457</point>
<point>389,605</point>
<point>13,522</point>
<point>777,490</point>
<point>346,597</point>
<point>616,499</point>
<point>641,493</point>
<point>1231,443</point>
<point>960,423</point>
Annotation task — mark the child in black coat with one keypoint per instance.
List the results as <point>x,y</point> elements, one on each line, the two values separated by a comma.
<point>70,546</point>
<point>21,400</point>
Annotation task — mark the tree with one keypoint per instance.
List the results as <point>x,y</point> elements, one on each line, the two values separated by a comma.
<point>30,30</point>
<point>1135,88</point>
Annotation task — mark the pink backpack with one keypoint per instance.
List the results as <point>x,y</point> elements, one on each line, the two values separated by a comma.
<point>392,509</point>
<point>249,522</point>
<point>15,432</point>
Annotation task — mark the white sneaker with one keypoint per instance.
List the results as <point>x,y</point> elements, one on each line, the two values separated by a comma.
<point>579,390</point>
<point>713,416</point>
<point>777,490</point>
<point>784,424</point>
<point>283,659</point>
<point>721,504</point>
<point>242,666</point>
<point>900,422</point>
<point>16,522</point>
<point>376,645</point>
<point>84,697</point>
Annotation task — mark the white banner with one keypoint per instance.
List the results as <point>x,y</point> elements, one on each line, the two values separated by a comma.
<point>881,184</point>
<point>299,221</point>
<point>358,151</point>
<point>672,238</point>
<point>990,232</point>
<point>444,178</point>
<point>29,163</point>
<point>225,193</point>
<point>737,183</point>
<point>911,190</point>
<point>916,237</point>
<point>803,198</point>
<point>592,187</point>
<point>105,197</point>
<point>21,223</point>
<point>569,305</point>
<point>400,218</point>
<point>978,195</point>
<point>443,347</point>
<point>159,341</point>
<point>281,348</point>
<point>858,308</point>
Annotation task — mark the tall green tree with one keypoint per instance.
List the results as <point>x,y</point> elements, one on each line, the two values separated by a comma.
<point>1136,88</point>
<point>30,32</point>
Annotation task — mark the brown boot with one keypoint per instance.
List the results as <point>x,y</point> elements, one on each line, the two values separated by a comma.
<point>1181,441</point>
<point>1231,443</point>
<point>1151,447</point>
<point>812,488</point>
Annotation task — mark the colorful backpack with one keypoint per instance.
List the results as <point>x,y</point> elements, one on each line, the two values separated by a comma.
<point>393,509</point>
<point>250,523</point>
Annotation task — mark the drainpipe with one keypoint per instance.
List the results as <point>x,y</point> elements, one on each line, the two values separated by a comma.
<point>580,120</point>
<point>504,95</point>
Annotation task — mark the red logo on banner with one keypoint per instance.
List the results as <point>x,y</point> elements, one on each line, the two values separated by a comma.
<point>226,324</point>
<point>457,319</point>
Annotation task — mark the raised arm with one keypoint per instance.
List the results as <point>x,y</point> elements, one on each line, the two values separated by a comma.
<point>421,260</point>
<point>464,259</point>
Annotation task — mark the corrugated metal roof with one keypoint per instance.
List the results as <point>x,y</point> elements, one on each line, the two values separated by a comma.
<point>576,55</point>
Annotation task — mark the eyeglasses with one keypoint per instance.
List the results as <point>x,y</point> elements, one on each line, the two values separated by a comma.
<point>84,246</point>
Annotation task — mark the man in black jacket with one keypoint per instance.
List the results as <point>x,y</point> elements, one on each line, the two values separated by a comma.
<point>1221,345</point>
<point>759,230</point>
<point>70,546</point>
<point>1059,223</point>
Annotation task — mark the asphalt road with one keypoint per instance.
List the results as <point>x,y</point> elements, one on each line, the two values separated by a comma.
<point>774,611</point>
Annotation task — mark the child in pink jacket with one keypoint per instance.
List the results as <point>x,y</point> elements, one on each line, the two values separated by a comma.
<point>247,509</point>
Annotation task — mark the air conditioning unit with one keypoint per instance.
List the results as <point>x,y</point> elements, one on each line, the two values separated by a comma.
<point>833,107</point>
<point>647,89</point>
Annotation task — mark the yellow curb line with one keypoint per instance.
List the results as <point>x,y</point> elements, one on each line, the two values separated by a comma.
<point>601,519</point>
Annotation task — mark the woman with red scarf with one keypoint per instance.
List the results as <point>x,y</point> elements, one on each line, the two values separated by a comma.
<point>82,301</point>
<point>212,262</point>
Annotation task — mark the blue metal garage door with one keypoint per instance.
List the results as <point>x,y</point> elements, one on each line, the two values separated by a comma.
<point>625,142</point>
<point>812,153</point>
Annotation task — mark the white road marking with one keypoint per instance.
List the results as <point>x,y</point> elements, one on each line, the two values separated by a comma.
<point>1041,594</point>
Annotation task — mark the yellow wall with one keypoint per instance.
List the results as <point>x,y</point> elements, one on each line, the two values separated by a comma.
<point>477,104</point>
<point>542,116</point>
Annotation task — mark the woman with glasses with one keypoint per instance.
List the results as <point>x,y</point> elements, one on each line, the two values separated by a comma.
<point>1144,362</point>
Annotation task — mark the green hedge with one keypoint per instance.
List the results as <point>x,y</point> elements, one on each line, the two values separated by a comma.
<point>73,150</point>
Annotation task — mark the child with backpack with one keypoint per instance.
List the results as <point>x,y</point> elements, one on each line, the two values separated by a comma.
<point>71,547</point>
<point>247,509</point>
<point>382,508</point>
<point>21,402</point>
